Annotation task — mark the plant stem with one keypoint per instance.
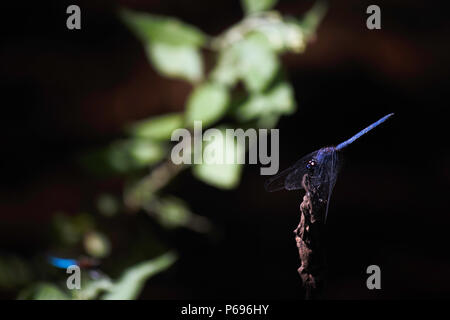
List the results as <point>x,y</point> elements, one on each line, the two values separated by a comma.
<point>143,191</point>
<point>309,239</point>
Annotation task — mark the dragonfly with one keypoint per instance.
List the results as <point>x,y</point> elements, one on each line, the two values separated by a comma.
<point>321,166</point>
<point>64,263</point>
<point>85,263</point>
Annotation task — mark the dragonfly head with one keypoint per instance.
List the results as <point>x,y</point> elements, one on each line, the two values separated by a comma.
<point>324,154</point>
<point>311,164</point>
<point>321,164</point>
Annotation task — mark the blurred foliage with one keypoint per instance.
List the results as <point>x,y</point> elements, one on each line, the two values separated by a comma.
<point>43,291</point>
<point>176,61</point>
<point>14,272</point>
<point>69,230</point>
<point>157,128</point>
<point>248,53</point>
<point>207,103</point>
<point>99,286</point>
<point>129,285</point>
<point>172,46</point>
<point>225,174</point>
<point>96,244</point>
<point>107,205</point>
<point>246,87</point>
<point>277,100</point>
<point>251,6</point>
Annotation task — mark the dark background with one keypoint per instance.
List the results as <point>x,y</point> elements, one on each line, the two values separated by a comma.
<point>64,92</point>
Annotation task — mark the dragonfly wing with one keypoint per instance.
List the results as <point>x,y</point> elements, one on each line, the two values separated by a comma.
<point>333,171</point>
<point>295,179</point>
<point>276,182</point>
<point>290,178</point>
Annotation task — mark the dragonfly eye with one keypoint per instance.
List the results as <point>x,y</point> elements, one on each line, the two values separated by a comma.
<point>311,164</point>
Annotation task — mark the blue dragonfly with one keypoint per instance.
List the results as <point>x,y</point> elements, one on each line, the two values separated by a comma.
<point>321,166</point>
<point>89,264</point>
<point>64,263</point>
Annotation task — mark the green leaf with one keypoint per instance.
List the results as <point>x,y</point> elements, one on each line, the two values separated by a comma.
<point>127,155</point>
<point>252,60</point>
<point>283,35</point>
<point>69,229</point>
<point>227,70</point>
<point>259,63</point>
<point>227,172</point>
<point>158,128</point>
<point>171,45</point>
<point>207,103</point>
<point>90,289</point>
<point>176,61</point>
<point>173,212</point>
<point>43,291</point>
<point>145,152</point>
<point>268,121</point>
<point>311,20</point>
<point>96,244</point>
<point>132,281</point>
<point>151,28</point>
<point>278,100</point>
<point>107,205</point>
<point>252,6</point>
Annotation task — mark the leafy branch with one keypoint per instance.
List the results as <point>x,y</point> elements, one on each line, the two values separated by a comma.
<point>247,87</point>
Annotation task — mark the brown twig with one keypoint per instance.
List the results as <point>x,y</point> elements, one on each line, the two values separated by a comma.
<point>309,239</point>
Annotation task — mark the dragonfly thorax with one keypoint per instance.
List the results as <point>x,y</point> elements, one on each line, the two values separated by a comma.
<point>324,154</point>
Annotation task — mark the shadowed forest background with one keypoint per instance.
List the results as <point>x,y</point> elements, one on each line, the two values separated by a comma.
<point>66,92</point>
